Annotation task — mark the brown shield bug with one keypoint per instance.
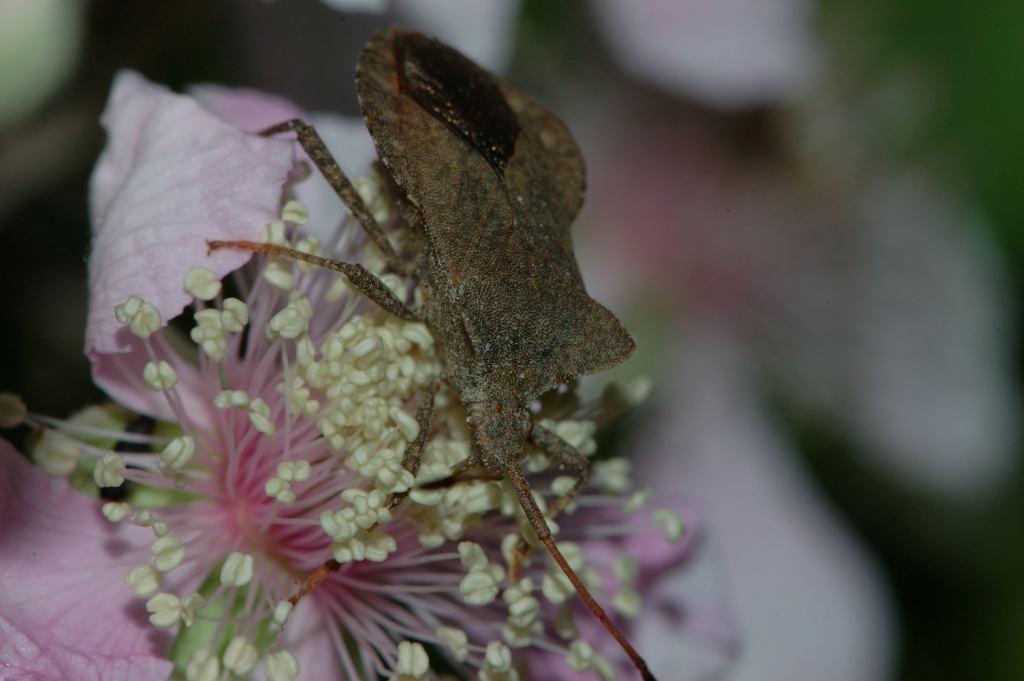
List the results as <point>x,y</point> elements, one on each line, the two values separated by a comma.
<point>490,182</point>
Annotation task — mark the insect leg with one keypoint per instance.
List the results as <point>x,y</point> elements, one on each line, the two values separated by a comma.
<point>314,146</point>
<point>414,450</point>
<point>539,524</point>
<point>360,277</point>
<point>565,457</point>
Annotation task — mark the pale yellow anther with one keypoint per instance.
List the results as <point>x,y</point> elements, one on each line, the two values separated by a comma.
<point>294,471</point>
<point>226,399</point>
<point>455,640</point>
<point>481,497</point>
<point>413,662</point>
<point>204,666</point>
<point>235,315</point>
<point>165,610</point>
<point>395,284</point>
<point>294,211</point>
<point>142,318</point>
<point>672,523</point>
<point>159,375</point>
<point>627,602</point>
<point>144,518</point>
<point>237,570</point>
<point>208,334</point>
<point>478,588</point>
<point>202,283</point>
<point>143,579</point>
<point>373,546</point>
<point>167,553</point>
<point>259,416</point>
<point>281,612</point>
<point>637,500</point>
<point>407,425</point>
<point>370,191</point>
<point>472,556</point>
<point>613,475</point>
<point>498,657</point>
<point>178,452</point>
<point>280,490</point>
<point>338,289</point>
<point>160,529</point>
<point>625,569</point>
<point>240,656</point>
<point>281,666</point>
<point>189,605</point>
<point>279,275</point>
<point>418,334</point>
<point>562,485</point>
<point>290,323</point>
<point>116,512</point>
<point>556,587</point>
<point>523,608</point>
<point>274,233</point>
<point>109,471</point>
<point>578,433</point>
<point>368,346</point>
<point>580,655</point>
<point>56,453</point>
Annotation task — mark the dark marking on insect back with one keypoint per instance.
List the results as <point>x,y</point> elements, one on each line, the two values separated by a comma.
<point>460,94</point>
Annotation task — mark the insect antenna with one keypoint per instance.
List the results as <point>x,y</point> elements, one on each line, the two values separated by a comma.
<point>540,526</point>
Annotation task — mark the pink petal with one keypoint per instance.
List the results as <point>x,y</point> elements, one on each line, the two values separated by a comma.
<point>245,108</point>
<point>729,53</point>
<point>172,176</point>
<point>345,136</point>
<point>65,612</point>
<point>808,601</point>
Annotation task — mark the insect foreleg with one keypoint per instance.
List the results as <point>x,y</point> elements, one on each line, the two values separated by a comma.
<point>314,146</point>
<point>360,277</point>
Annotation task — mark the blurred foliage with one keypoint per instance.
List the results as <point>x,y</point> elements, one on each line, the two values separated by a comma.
<point>972,55</point>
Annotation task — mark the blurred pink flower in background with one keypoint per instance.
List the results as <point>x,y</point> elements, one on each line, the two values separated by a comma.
<point>726,53</point>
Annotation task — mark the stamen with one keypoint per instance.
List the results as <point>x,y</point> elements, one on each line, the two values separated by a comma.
<point>109,471</point>
<point>167,553</point>
<point>240,656</point>
<point>202,283</point>
<point>237,570</point>
<point>141,318</point>
<point>281,666</point>
<point>165,609</point>
<point>204,666</point>
<point>671,521</point>
<point>455,640</point>
<point>413,662</point>
<point>143,579</point>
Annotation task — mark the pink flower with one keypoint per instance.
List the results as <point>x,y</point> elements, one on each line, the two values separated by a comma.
<point>282,427</point>
<point>64,611</point>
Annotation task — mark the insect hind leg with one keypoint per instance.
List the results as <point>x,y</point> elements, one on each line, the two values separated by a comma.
<point>566,458</point>
<point>311,142</point>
